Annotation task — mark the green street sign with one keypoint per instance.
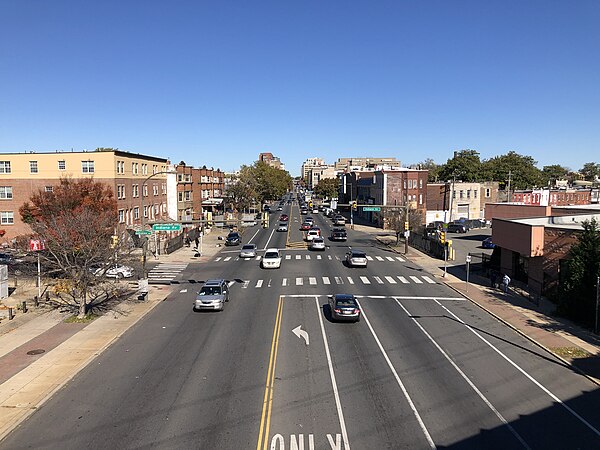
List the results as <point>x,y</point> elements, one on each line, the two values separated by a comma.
<point>371,208</point>
<point>166,227</point>
<point>143,232</point>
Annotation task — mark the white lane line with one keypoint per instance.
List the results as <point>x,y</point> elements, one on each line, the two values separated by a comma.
<point>250,241</point>
<point>318,256</point>
<point>399,381</point>
<point>218,259</point>
<point>237,259</point>
<point>516,366</point>
<point>258,257</point>
<point>269,240</point>
<point>403,280</point>
<point>379,258</point>
<point>284,282</point>
<point>336,395</point>
<point>288,256</point>
<point>389,258</point>
<point>299,281</point>
<point>464,376</point>
<point>350,280</point>
<point>245,285</point>
<point>379,280</point>
<point>399,259</point>
<point>390,279</point>
<point>259,284</point>
<point>429,280</point>
<point>227,259</point>
<point>365,280</point>
<point>370,258</point>
<point>415,279</point>
<point>183,291</point>
<point>312,280</point>
<point>298,256</point>
<point>326,280</point>
<point>338,280</point>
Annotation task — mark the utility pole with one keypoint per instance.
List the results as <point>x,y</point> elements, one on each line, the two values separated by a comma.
<point>597,301</point>
<point>509,180</point>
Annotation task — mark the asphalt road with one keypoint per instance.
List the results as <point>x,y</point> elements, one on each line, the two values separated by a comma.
<point>423,368</point>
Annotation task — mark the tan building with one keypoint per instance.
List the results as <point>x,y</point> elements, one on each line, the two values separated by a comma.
<point>22,174</point>
<point>310,164</point>
<point>361,164</point>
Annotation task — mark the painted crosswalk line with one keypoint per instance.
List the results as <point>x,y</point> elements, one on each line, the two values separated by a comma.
<point>328,256</point>
<point>365,280</point>
<point>245,284</point>
<point>227,259</point>
<point>403,280</point>
<point>379,280</point>
<point>379,258</point>
<point>390,279</point>
<point>284,282</point>
<point>299,281</point>
<point>165,272</point>
<point>370,258</point>
<point>298,256</point>
<point>219,259</point>
<point>258,258</point>
<point>429,280</point>
<point>350,280</point>
<point>318,256</point>
<point>326,280</point>
<point>312,281</point>
<point>415,279</point>
<point>400,259</point>
<point>338,280</point>
<point>259,283</point>
<point>288,256</point>
<point>389,258</point>
<point>307,256</point>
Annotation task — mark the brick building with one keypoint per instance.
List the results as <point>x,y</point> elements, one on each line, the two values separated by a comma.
<point>22,174</point>
<point>553,197</point>
<point>199,191</point>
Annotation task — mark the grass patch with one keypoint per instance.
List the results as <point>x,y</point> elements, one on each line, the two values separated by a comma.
<point>570,352</point>
<point>88,318</point>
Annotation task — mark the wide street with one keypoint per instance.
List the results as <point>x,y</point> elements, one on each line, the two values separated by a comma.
<point>424,368</point>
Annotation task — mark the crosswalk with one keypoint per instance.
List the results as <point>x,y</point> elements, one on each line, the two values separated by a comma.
<point>326,281</point>
<point>165,272</point>
<point>306,257</point>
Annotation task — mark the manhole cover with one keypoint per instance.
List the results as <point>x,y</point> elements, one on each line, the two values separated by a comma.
<point>37,351</point>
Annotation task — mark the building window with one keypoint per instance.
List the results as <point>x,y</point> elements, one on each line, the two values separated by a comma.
<point>49,188</point>
<point>488,192</point>
<point>144,169</point>
<point>87,166</point>
<point>62,165</point>
<point>420,199</point>
<point>33,167</point>
<point>5,167</point>
<point>135,190</point>
<point>121,216</point>
<point>7,217</point>
<point>475,193</point>
<point>145,211</point>
<point>155,189</point>
<point>461,194</point>
<point>120,191</point>
<point>6,192</point>
<point>468,193</point>
<point>136,213</point>
<point>154,169</point>
<point>121,167</point>
<point>145,190</point>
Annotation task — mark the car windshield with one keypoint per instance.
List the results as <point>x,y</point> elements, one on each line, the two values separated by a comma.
<point>271,255</point>
<point>210,290</point>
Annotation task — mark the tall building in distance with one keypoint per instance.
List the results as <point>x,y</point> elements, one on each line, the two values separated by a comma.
<point>310,164</point>
<point>363,164</point>
<point>271,160</point>
<point>130,175</point>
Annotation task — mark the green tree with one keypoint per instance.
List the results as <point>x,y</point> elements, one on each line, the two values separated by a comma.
<point>258,183</point>
<point>578,289</point>
<point>328,188</point>
<point>523,172</point>
<point>433,169</point>
<point>551,174</point>
<point>590,171</point>
<point>465,165</point>
<point>76,222</point>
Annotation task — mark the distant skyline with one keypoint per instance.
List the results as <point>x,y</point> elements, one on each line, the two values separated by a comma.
<point>217,83</point>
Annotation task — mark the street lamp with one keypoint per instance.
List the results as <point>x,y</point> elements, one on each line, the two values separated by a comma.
<point>145,244</point>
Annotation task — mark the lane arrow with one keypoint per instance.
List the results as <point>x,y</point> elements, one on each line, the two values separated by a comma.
<point>300,332</point>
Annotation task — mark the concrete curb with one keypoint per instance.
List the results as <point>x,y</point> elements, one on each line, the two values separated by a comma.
<point>22,413</point>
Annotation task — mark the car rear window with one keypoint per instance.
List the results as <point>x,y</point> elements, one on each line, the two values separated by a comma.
<point>345,302</point>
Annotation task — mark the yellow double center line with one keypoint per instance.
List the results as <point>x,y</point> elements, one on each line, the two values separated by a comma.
<point>265,419</point>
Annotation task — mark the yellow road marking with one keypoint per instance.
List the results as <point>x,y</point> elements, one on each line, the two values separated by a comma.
<point>265,418</point>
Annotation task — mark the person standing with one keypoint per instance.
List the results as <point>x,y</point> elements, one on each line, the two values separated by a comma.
<point>505,282</point>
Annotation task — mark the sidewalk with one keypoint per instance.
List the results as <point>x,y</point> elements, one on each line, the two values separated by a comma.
<point>574,345</point>
<point>39,352</point>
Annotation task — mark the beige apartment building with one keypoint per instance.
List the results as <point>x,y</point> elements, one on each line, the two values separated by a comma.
<point>129,174</point>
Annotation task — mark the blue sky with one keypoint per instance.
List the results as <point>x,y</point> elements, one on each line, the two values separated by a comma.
<point>218,82</point>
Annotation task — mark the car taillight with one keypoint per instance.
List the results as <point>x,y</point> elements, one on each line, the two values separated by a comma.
<point>337,310</point>
<point>356,311</point>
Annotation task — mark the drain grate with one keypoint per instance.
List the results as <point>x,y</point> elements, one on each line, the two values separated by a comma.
<point>37,351</point>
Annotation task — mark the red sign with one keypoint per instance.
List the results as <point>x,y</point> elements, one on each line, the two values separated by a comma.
<point>35,245</point>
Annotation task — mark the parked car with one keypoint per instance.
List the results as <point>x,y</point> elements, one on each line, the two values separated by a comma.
<point>356,258</point>
<point>283,226</point>
<point>233,238</point>
<point>338,234</point>
<point>212,296</point>
<point>315,210</point>
<point>272,259</point>
<point>318,243</point>
<point>487,243</point>
<point>344,307</point>
<point>457,228</point>
<point>280,208</point>
<point>117,271</point>
<point>248,251</point>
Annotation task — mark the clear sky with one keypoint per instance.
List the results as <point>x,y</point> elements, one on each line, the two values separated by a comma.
<point>216,82</point>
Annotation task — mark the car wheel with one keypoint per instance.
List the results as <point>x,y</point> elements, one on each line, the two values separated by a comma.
<point>119,276</point>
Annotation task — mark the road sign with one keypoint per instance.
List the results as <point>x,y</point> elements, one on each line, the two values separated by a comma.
<point>140,232</point>
<point>166,227</point>
<point>371,208</point>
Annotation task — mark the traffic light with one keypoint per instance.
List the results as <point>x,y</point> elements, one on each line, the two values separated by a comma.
<point>406,225</point>
<point>354,206</point>
<point>443,237</point>
<point>114,241</point>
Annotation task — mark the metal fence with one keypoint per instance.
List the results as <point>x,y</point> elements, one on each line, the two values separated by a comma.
<point>430,246</point>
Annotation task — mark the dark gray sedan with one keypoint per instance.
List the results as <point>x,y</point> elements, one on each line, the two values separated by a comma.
<point>344,307</point>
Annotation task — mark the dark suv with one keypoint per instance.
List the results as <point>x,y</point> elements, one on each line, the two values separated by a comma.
<point>233,238</point>
<point>338,234</point>
<point>456,228</point>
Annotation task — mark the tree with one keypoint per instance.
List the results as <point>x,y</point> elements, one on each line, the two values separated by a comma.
<point>590,171</point>
<point>327,188</point>
<point>523,172</point>
<point>578,289</point>
<point>465,165</point>
<point>553,173</point>
<point>432,168</point>
<point>258,183</point>
<point>76,222</point>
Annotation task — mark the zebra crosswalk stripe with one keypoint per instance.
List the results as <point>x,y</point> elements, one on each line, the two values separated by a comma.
<point>429,280</point>
<point>326,280</point>
<point>389,258</point>
<point>328,256</point>
<point>403,280</point>
<point>298,256</point>
<point>365,280</point>
<point>218,259</point>
<point>338,280</point>
<point>379,280</point>
<point>390,279</point>
<point>227,259</point>
<point>415,279</point>
<point>299,281</point>
<point>350,280</point>
<point>288,256</point>
<point>379,258</point>
<point>318,256</point>
<point>370,258</point>
<point>399,259</point>
<point>284,282</point>
<point>307,256</point>
<point>259,284</point>
<point>312,280</point>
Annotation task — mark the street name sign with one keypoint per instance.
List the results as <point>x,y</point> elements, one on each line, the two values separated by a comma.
<point>143,232</point>
<point>371,208</point>
<point>166,227</point>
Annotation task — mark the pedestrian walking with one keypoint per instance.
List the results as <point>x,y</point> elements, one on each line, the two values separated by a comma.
<point>505,282</point>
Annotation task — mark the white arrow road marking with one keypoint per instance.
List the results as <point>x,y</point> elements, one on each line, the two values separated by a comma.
<point>300,332</point>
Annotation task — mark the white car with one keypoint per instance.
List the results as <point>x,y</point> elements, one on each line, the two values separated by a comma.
<point>272,259</point>
<point>312,233</point>
<point>318,243</point>
<point>248,251</point>
<point>118,271</point>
